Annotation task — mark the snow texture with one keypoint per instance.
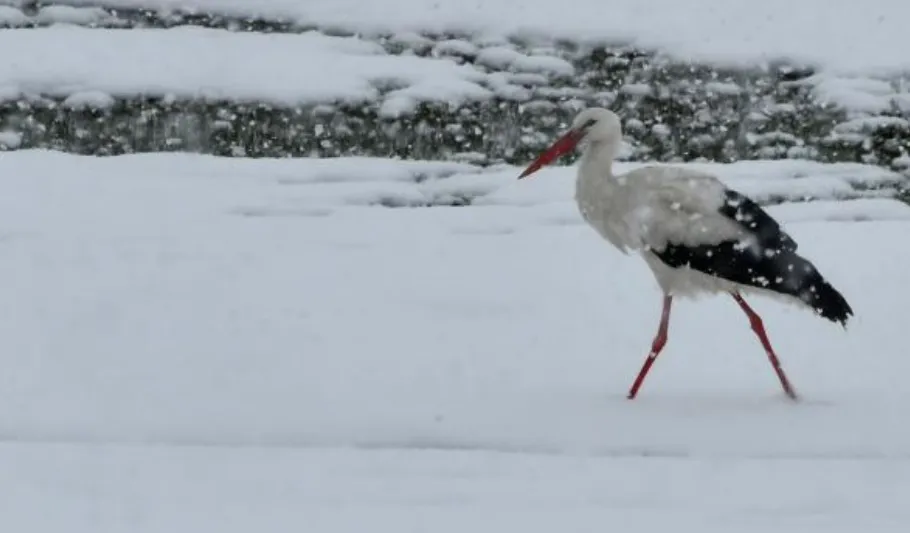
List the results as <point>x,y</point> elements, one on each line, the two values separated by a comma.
<point>458,47</point>
<point>858,94</point>
<point>871,124</point>
<point>856,37</point>
<point>10,16</point>
<point>193,343</point>
<point>793,180</point>
<point>453,91</point>
<point>89,99</point>
<point>857,74</point>
<point>62,14</point>
<point>288,70</point>
<point>147,489</point>
<point>10,139</point>
<point>506,58</point>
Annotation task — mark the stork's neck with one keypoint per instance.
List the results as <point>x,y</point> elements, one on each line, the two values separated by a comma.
<point>598,157</point>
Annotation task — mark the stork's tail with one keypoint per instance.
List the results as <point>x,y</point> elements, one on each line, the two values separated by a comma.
<point>815,291</point>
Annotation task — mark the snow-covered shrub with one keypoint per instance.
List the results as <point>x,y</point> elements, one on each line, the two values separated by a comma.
<point>525,95</point>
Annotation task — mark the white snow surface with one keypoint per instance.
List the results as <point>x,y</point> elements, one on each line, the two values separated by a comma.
<point>11,16</point>
<point>70,15</point>
<point>288,69</point>
<point>193,343</point>
<point>850,37</point>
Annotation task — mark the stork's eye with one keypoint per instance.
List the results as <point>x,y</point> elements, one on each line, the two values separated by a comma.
<point>588,123</point>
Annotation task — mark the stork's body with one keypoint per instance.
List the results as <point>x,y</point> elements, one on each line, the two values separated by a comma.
<point>696,235</point>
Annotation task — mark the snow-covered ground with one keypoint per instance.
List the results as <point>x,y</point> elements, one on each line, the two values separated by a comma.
<point>200,344</point>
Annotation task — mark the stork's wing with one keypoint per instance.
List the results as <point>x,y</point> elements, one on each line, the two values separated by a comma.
<point>756,222</point>
<point>693,208</point>
<point>695,222</point>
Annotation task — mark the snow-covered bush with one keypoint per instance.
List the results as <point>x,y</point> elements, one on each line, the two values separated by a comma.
<point>518,95</point>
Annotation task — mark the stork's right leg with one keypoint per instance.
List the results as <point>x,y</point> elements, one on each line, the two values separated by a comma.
<point>758,327</point>
<point>656,346</point>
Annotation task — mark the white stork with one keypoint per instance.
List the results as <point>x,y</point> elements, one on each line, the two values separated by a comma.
<point>696,235</point>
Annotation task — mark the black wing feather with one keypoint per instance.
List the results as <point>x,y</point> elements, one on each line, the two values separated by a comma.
<point>771,263</point>
<point>757,221</point>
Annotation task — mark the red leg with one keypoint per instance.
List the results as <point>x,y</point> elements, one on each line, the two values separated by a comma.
<point>759,329</point>
<point>656,346</point>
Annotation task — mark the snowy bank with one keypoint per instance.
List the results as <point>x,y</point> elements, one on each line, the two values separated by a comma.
<point>329,184</point>
<point>855,37</point>
<point>495,95</point>
<point>287,69</point>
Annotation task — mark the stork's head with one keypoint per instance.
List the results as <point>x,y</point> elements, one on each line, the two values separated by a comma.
<point>593,126</point>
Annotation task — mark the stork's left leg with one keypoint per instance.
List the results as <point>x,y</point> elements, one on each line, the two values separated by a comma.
<point>660,339</point>
<point>759,328</point>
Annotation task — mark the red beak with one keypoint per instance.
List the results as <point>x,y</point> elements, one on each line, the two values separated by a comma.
<point>562,146</point>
